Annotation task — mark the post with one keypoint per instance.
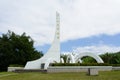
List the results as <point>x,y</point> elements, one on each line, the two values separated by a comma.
<point>92,72</point>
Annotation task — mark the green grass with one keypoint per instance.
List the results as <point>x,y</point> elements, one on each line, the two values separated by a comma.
<point>108,75</point>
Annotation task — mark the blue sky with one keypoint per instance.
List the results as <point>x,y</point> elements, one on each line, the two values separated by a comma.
<point>106,41</point>
<point>86,25</point>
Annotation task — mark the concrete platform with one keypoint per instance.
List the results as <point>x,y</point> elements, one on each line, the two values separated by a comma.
<point>12,69</point>
<point>30,70</point>
<point>56,69</point>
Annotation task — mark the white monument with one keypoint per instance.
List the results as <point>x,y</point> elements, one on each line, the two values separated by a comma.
<point>53,54</point>
<point>77,57</point>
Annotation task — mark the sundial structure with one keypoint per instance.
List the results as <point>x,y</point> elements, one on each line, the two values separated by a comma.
<point>53,54</point>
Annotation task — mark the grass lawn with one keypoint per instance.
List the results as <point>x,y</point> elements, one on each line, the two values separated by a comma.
<point>108,75</point>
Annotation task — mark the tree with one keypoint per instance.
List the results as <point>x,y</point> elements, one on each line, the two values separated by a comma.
<point>88,59</point>
<point>16,49</point>
<point>117,58</point>
<point>111,58</point>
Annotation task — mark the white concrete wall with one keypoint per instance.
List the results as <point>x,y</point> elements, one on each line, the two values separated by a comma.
<point>11,69</point>
<point>77,68</point>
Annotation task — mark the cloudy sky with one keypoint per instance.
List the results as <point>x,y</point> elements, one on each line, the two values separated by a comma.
<point>86,25</point>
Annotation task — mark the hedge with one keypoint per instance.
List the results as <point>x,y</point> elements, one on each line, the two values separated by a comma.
<point>83,64</point>
<point>16,65</point>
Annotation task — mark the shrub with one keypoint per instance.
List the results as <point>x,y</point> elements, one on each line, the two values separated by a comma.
<point>83,64</point>
<point>15,65</point>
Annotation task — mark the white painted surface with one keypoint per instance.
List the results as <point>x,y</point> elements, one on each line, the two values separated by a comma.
<point>53,69</point>
<point>53,54</point>
<point>11,69</point>
<point>77,58</point>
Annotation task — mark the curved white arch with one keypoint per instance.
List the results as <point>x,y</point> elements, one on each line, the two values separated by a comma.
<point>61,60</point>
<point>71,57</point>
<point>96,57</point>
<point>79,60</point>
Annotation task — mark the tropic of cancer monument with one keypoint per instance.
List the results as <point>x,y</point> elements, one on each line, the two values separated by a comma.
<point>53,54</point>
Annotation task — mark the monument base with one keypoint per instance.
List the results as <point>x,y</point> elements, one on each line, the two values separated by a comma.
<point>30,70</point>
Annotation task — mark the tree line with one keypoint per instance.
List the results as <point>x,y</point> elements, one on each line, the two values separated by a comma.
<point>16,49</point>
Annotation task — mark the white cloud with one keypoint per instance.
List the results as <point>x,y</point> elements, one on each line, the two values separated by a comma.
<point>99,49</point>
<point>79,18</point>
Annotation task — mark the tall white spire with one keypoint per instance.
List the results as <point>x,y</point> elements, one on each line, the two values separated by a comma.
<point>52,55</point>
<point>57,25</point>
<point>54,50</point>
